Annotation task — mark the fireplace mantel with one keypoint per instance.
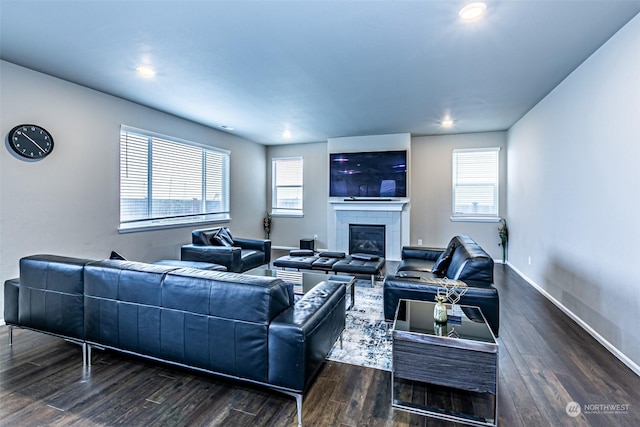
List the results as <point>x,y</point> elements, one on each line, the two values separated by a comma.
<point>394,205</point>
<point>393,213</point>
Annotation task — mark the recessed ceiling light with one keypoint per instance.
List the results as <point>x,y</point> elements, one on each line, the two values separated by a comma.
<point>472,11</point>
<point>146,72</point>
<point>446,123</point>
<point>286,134</point>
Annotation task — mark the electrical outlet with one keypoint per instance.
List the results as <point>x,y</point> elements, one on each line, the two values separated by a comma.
<point>419,242</point>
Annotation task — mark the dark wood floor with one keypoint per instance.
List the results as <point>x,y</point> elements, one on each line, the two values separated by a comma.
<point>546,361</point>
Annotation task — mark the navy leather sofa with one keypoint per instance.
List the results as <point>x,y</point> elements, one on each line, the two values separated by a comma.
<point>462,259</point>
<point>238,326</point>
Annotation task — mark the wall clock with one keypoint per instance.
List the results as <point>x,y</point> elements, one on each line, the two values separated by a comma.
<point>31,141</point>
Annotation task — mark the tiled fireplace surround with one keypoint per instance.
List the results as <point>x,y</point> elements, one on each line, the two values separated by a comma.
<point>393,214</point>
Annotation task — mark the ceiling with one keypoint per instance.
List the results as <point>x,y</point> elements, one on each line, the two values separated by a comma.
<point>319,69</point>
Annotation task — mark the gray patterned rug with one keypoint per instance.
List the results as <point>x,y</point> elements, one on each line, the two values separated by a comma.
<point>365,341</point>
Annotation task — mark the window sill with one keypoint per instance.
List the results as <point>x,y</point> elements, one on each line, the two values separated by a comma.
<point>164,225</point>
<point>287,215</point>
<point>475,219</point>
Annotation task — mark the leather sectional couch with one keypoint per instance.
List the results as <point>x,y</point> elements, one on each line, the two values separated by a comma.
<point>238,326</point>
<point>419,272</point>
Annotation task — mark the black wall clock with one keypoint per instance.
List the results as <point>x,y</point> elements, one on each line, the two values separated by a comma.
<point>31,141</point>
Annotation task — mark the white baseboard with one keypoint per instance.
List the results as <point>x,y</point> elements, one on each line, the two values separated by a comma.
<point>613,349</point>
<point>284,248</point>
<point>291,248</point>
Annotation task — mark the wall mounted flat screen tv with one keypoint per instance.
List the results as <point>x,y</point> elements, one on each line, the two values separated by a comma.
<point>375,174</point>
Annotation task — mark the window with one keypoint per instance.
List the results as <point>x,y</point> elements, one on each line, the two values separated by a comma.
<point>475,183</point>
<point>165,181</point>
<point>287,186</point>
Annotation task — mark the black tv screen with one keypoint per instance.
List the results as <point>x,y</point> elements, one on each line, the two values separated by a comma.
<point>371,174</point>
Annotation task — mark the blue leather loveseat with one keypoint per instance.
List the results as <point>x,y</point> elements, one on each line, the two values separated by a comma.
<point>417,277</point>
<point>238,326</point>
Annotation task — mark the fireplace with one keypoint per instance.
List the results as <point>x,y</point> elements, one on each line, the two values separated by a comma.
<point>394,215</point>
<point>367,238</point>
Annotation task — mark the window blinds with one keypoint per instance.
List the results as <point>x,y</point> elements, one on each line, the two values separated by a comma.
<point>164,180</point>
<point>475,182</point>
<point>287,186</point>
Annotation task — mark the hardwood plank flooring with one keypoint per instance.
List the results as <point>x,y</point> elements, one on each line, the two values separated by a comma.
<point>546,361</point>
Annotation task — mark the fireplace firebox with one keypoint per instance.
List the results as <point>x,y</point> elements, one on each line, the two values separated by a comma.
<point>367,239</point>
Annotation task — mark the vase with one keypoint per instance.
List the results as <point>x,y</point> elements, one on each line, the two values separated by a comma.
<point>440,311</point>
<point>440,329</point>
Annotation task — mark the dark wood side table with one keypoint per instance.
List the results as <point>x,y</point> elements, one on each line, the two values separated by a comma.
<point>446,371</point>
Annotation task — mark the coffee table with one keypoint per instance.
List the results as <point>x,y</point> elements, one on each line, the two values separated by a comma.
<point>446,371</point>
<point>304,281</point>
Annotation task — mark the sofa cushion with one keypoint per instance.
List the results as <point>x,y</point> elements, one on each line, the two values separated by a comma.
<point>251,259</point>
<point>471,264</point>
<point>51,294</point>
<point>191,264</point>
<point>412,264</point>
<point>441,265</point>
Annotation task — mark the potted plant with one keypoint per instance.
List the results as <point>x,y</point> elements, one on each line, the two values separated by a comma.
<point>266,223</point>
<point>503,232</point>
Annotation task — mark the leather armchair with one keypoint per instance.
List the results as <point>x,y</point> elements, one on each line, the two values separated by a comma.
<point>217,246</point>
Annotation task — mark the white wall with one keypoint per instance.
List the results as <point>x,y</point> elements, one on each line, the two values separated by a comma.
<point>68,203</point>
<point>574,192</point>
<point>431,199</point>
<point>287,231</point>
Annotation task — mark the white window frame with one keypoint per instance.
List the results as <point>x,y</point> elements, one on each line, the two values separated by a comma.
<point>278,209</point>
<point>146,219</point>
<point>490,178</point>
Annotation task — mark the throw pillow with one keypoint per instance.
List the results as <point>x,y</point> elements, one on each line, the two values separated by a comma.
<point>329,254</point>
<point>365,257</point>
<point>206,237</point>
<point>116,255</point>
<point>439,268</point>
<point>225,237</point>
<point>300,252</point>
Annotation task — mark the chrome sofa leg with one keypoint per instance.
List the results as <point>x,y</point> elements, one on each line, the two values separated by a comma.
<point>86,354</point>
<point>299,406</point>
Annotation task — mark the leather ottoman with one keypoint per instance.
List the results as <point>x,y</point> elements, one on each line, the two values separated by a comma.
<point>324,263</point>
<point>299,262</point>
<point>351,265</point>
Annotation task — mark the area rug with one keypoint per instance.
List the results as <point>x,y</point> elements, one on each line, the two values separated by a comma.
<point>366,340</point>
